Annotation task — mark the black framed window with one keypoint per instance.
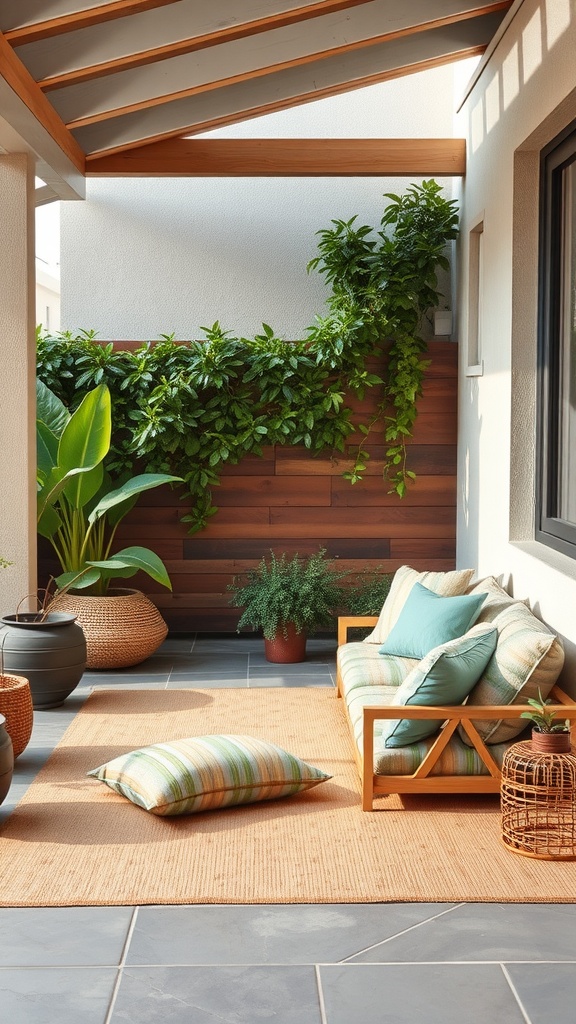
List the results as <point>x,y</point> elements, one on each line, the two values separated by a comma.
<point>556,498</point>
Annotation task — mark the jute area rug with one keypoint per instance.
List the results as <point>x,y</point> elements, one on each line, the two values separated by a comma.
<point>73,842</point>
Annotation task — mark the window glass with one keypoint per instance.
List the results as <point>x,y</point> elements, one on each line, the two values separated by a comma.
<point>556,497</point>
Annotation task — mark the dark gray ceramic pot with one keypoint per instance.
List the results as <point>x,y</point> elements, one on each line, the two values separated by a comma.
<point>6,760</point>
<point>51,654</point>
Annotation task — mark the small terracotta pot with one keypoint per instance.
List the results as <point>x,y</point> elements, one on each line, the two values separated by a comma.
<point>286,650</point>
<point>551,742</point>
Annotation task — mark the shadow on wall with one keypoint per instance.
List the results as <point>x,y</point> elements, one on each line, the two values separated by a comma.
<point>468,525</point>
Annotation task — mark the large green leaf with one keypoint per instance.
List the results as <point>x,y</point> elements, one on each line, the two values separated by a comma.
<point>136,558</point>
<point>49,522</point>
<point>46,447</point>
<point>77,580</point>
<point>85,442</point>
<point>56,483</point>
<point>118,502</point>
<point>49,409</point>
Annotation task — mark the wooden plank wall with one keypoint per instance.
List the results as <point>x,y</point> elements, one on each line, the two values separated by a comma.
<point>292,501</point>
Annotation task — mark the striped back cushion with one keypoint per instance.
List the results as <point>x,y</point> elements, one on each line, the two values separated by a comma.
<point>528,658</point>
<point>447,584</point>
<point>203,773</point>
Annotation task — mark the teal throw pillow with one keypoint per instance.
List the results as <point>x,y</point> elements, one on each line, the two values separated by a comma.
<point>444,677</point>
<point>428,620</point>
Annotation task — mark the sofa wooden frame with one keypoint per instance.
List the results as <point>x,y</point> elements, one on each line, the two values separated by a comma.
<point>421,781</point>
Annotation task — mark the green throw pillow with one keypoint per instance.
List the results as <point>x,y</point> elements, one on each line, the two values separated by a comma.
<point>444,677</point>
<point>203,773</point>
<point>428,620</point>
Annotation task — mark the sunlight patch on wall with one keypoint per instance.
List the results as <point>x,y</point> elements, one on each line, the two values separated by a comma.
<point>532,46</point>
<point>558,16</point>
<point>477,129</point>
<point>493,102</point>
<point>511,76</point>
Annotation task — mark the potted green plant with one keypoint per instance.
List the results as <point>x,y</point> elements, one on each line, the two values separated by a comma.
<point>548,736</point>
<point>79,511</point>
<point>288,598</point>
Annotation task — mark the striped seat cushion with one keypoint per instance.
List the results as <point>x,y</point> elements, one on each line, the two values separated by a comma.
<point>204,773</point>
<point>456,758</point>
<point>362,665</point>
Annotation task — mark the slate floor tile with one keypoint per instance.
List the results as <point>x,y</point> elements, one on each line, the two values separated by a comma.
<point>127,681</point>
<point>547,994</point>
<point>63,936</point>
<point>290,679</point>
<point>418,994</point>
<point>238,995</point>
<point>281,934</point>
<point>486,931</point>
<point>56,995</point>
<point>220,663</point>
<point>206,680</point>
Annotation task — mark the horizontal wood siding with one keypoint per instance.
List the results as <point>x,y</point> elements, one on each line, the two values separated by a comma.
<point>293,501</point>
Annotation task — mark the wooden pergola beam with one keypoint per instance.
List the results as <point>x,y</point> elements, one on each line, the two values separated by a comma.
<point>228,158</point>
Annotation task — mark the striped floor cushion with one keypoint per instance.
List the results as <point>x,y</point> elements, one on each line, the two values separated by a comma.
<point>203,773</point>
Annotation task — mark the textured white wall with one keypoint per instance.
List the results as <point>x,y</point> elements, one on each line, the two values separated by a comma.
<point>17,383</point>
<point>141,257</point>
<point>524,97</point>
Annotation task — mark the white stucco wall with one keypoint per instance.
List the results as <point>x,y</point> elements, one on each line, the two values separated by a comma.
<point>141,257</point>
<point>524,97</point>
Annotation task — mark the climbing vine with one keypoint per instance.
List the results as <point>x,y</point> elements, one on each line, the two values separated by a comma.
<point>190,408</point>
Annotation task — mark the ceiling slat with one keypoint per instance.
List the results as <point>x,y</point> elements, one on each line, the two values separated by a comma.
<point>287,157</point>
<point>202,42</point>
<point>81,19</point>
<point>333,39</point>
<point>228,35</point>
<point>289,87</point>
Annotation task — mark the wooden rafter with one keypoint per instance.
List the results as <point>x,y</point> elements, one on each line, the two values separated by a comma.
<point>286,157</point>
<point>232,33</point>
<point>22,83</point>
<point>81,19</point>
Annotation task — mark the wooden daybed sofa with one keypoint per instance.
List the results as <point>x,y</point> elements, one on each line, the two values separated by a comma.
<point>464,755</point>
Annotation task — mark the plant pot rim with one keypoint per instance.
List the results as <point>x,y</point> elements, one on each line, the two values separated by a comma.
<point>114,593</point>
<point>31,620</point>
<point>549,732</point>
<point>12,678</point>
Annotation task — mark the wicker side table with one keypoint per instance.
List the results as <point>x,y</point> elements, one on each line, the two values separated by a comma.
<point>538,801</point>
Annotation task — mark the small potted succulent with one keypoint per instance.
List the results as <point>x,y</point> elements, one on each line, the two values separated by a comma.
<point>548,736</point>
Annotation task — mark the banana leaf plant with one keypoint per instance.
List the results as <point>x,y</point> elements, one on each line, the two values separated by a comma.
<point>79,507</point>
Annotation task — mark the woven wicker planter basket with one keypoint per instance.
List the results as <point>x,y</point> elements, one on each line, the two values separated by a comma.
<point>121,629</point>
<point>16,706</point>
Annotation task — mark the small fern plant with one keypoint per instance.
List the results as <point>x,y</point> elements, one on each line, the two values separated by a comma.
<point>302,590</point>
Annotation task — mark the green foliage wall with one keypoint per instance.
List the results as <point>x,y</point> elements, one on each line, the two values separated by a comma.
<point>190,408</point>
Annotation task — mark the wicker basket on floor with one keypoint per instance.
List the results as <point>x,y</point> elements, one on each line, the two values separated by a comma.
<point>16,706</point>
<point>121,629</point>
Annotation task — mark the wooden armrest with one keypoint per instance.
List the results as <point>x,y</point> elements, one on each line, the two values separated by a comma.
<point>566,708</point>
<point>471,711</point>
<point>345,622</point>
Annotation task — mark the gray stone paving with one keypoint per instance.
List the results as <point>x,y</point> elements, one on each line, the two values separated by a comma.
<point>291,964</point>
